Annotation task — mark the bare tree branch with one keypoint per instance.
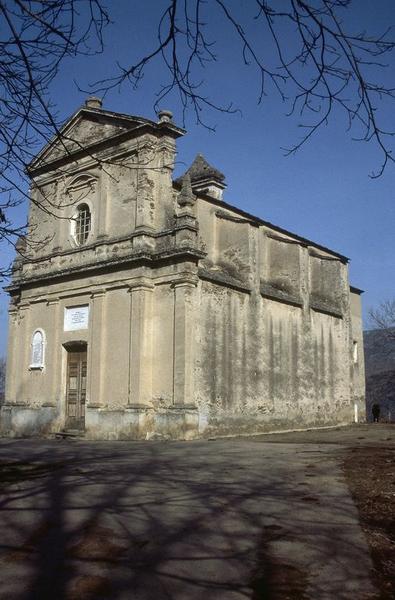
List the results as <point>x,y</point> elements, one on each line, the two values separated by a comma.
<point>333,68</point>
<point>37,35</point>
<point>306,52</point>
<point>383,318</point>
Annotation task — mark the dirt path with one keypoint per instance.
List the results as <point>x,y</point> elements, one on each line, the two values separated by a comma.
<point>368,459</point>
<point>227,519</point>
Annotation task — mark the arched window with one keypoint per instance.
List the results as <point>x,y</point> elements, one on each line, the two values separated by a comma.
<point>37,350</point>
<point>82,224</point>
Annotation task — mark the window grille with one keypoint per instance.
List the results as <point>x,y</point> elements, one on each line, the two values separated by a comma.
<point>83,224</point>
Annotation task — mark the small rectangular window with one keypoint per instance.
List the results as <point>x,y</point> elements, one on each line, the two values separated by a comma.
<point>83,224</point>
<point>355,352</point>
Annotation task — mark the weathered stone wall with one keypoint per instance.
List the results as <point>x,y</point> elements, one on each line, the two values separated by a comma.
<point>163,346</point>
<point>283,270</point>
<point>119,183</point>
<point>134,345</point>
<point>264,365</point>
<point>115,335</point>
<point>275,334</point>
<point>127,189</point>
<point>325,283</point>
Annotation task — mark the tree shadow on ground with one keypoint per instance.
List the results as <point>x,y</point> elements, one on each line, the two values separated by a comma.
<point>154,520</point>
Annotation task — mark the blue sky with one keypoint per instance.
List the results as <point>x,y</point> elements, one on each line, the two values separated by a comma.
<point>323,193</point>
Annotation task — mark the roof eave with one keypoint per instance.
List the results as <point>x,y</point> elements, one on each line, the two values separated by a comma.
<point>355,290</point>
<point>260,221</point>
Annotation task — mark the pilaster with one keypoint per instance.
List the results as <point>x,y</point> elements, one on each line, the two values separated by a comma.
<point>52,353</point>
<point>141,340</point>
<point>96,350</point>
<point>63,224</point>
<point>12,354</point>
<point>102,217</point>
<point>56,243</point>
<point>145,209</point>
<point>25,336</point>
<point>24,352</point>
<point>186,221</point>
<point>183,380</point>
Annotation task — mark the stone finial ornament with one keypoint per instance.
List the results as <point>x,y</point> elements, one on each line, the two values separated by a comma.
<point>186,197</point>
<point>20,248</point>
<point>20,245</point>
<point>93,102</point>
<point>165,116</point>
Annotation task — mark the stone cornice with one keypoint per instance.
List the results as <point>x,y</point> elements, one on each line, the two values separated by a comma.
<point>327,308</point>
<point>285,240</point>
<point>272,293</point>
<point>222,278</point>
<point>316,254</point>
<point>220,214</point>
<point>143,256</point>
<point>135,126</point>
<point>109,241</point>
<point>266,224</point>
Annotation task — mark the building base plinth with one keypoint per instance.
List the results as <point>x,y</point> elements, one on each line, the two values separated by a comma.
<point>26,421</point>
<point>141,422</point>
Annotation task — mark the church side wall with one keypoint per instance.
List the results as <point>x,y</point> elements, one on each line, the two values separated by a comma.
<point>264,365</point>
<point>274,336</point>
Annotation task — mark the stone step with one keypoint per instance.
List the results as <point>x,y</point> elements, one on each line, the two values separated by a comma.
<point>70,434</point>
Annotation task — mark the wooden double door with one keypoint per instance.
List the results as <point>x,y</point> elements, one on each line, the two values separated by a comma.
<point>76,389</point>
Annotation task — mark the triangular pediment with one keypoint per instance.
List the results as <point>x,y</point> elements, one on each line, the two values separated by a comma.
<point>85,129</point>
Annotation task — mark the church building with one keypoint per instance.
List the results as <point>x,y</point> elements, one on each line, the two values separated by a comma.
<point>142,306</point>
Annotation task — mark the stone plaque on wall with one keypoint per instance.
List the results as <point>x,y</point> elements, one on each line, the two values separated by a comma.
<point>76,317</point>
<point>37,351</point>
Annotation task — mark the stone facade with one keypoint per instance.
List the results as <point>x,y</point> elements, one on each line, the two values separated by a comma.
<point>143,306</point>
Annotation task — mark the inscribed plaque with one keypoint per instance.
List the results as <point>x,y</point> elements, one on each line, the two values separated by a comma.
<point>76,318</point>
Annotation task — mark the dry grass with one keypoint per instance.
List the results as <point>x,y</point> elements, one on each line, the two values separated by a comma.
<point>370,474</point>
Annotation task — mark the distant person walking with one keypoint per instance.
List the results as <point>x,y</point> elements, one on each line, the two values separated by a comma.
<point>376,412</point>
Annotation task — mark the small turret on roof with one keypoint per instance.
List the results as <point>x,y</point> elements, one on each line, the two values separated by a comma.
<point>205,178</point>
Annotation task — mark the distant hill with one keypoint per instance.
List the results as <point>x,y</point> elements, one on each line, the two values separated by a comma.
<point>379,350</point>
